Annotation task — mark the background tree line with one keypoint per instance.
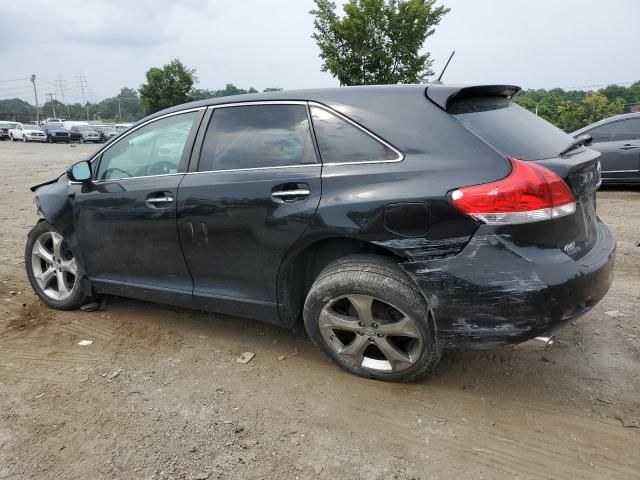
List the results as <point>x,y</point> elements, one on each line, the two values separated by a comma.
<point>574,109</point>
<point>170,85</point>
<point>371,42</point>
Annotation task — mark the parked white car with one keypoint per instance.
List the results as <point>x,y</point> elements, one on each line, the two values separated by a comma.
<point>27,133</point>
<point>121,127</point>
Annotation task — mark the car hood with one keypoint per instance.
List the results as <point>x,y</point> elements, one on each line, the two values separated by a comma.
<point>48,182</point>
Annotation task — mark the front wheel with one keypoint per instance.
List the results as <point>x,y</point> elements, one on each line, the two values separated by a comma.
<point>24,139</point>
<point>370,318</point>
<point>52,268</point>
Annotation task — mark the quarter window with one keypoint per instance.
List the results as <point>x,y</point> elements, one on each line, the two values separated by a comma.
<point>257,136</point>
<point>155,149</point>
<point>341,142</point>
<point>617,131</point>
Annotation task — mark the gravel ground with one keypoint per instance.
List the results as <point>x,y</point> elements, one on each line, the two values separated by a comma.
<point>159,394</point>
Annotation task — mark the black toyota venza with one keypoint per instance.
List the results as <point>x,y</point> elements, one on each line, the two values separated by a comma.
<point>396,220</point>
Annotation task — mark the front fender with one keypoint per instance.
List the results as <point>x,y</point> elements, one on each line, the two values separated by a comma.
<point>54,201</point>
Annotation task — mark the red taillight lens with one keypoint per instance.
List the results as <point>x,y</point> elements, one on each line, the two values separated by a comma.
<point>530,193</point>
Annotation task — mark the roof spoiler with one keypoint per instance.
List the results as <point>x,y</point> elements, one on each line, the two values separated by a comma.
<point>441,95</point>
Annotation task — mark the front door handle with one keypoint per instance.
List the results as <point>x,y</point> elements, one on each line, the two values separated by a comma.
<point>160,200</point>
<point>628,146</point>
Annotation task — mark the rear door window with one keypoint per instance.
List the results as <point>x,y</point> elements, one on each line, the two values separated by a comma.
<point>509,128</point>
<point>617,131</point>
<point>341,142</point>
<point>257,136</point>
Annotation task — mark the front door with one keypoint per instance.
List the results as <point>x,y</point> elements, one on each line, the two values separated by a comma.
<point>255,191</point>
<point>126,219</point>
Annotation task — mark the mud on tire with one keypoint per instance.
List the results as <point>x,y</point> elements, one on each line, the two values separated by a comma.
<point>369,317</point>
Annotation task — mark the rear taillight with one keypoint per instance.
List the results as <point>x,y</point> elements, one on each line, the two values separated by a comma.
<point>530,193</point>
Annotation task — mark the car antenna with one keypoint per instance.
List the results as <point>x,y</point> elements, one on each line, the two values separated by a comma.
<point>439,80</point>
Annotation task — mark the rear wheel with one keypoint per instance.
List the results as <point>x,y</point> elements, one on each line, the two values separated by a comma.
<point>369,317</point>
<point>52,268</point>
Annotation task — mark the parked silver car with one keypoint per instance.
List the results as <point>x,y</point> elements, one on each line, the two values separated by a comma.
<point>87,132</point>
<point>618,140</point>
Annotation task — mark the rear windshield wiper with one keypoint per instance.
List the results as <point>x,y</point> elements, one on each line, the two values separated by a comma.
<point>577,142</point>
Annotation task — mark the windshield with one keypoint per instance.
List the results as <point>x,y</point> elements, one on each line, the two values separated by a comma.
<point>53,126</point>
<point>83,128</point>
<point>509,128</point>
<point>32,127</point>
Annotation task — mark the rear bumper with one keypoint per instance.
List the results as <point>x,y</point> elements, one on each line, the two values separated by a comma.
<point>496,293</point>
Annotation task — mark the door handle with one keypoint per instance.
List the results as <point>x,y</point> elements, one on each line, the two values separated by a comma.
<point>290,192</point>
<point>628,146</point>
<point>287,196</point>
<point>159,200</point>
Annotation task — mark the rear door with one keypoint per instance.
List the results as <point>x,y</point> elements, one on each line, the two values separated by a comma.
<point>253,191</point>
<point>619,144</point>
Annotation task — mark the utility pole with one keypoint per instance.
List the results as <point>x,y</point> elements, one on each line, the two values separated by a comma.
<point>53,106</point>
<point>35,94</point>
<point>119,112</point>
<point>61,86</point>
<point>82,81</point>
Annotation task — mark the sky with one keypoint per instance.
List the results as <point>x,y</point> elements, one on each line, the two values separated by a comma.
<point>267,43</point>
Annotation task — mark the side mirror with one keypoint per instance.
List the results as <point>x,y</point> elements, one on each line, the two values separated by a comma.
<point>587,139</point>
<point>80,172</point>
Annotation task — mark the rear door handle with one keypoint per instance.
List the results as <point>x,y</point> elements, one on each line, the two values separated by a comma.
<point>628,146</point>
<point>160,200</point>
<point>290,193</point>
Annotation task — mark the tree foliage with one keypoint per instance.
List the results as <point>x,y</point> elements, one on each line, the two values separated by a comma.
<point>574,109</point>
<point>230,89</point>
<point>167,86</point>
<point>376,41</point>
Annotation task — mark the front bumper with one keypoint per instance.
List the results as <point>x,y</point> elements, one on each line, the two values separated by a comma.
<point>496,293</point>
<point>36,138</point>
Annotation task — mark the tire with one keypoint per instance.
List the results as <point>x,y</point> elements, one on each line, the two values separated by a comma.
<point>66,270</point>
<point>24,139</point>
<point>12,139</point>
<point>81,139</point>
<point>395,342</point>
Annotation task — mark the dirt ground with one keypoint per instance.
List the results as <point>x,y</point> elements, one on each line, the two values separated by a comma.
<point>159,394</point>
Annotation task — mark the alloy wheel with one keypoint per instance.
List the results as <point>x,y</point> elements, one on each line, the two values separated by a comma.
<point>370,333</point>
<point>54,268</point>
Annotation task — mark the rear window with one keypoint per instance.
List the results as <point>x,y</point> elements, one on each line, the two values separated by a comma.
<point>509,128</point>
<point>341,142</point>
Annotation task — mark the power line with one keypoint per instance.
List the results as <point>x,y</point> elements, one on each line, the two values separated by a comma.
<point>82,81</point>
<point>53,105</point>
<point>14,80</point>
<point>61,86</point>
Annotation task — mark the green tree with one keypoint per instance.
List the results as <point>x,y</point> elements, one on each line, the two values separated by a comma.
<point>376,41</point>
<point>167,86</point>
<point>574,115</point>
<point>230,89</point>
